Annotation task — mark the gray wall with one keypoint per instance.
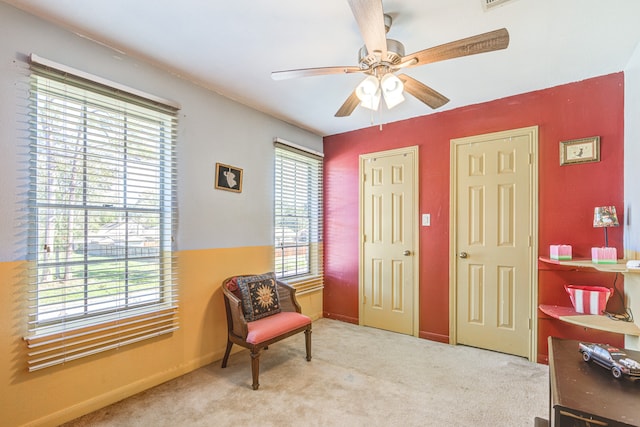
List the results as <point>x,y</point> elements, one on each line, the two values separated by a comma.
<point>211,129</point>
<point>632,155</point>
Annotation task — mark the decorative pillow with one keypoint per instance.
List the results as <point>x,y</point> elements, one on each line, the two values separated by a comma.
<point>232,285</point>
<point>259,296</point>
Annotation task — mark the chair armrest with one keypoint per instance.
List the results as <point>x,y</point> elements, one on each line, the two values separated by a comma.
<point>235,316</point>
<point>287,296</point>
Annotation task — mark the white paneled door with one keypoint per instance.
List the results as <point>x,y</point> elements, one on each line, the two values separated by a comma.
<point>389,224</point>
<point>494,231</point>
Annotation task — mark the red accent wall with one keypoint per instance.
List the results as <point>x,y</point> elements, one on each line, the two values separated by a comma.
<point>567,194</point>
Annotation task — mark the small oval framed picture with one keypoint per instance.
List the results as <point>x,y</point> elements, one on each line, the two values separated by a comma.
<point>580,151</point>
<point>228,178</point>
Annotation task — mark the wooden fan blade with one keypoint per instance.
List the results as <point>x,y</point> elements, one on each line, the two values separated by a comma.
<point>423,92</point>
<point>349,105</point>
<point>487,42</point>
<point>370,18</point>
<point>309,72</point>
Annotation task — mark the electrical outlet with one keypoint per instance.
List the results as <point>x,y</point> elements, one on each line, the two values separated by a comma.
<point>426,220</point>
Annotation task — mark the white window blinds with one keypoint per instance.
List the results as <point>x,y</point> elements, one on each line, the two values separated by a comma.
<point>102,210</point>
<point>298,217</point>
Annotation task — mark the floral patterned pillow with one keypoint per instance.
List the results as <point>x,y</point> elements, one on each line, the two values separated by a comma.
<point>259,296</point>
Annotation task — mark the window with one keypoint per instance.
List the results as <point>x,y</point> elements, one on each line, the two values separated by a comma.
<point>101,201</point>
<point>298,216</point>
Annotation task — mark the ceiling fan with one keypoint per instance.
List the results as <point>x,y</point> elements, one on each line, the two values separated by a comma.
<point>380,58</point>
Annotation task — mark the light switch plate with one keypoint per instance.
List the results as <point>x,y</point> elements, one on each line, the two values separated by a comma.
<point>426,220</point>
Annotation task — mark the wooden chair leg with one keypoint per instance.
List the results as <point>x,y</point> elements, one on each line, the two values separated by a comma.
<point>255,368</point>
<point>307,340</point>
<point>225,359</point>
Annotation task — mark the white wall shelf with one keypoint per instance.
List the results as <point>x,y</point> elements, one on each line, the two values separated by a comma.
<point>631,330</point>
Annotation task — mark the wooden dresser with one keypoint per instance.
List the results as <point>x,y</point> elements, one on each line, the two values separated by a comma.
<point>585,394</point>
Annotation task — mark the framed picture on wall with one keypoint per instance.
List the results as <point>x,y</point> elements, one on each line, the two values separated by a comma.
<point>228,178</point>
<point>580,151</point>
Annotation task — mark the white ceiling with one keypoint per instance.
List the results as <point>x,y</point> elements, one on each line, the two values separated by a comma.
<point>231,47</point>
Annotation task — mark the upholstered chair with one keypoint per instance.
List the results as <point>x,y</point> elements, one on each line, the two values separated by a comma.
<point>261,310</point>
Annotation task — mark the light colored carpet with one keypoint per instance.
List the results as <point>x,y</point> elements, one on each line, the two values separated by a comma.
<point>358,376</point>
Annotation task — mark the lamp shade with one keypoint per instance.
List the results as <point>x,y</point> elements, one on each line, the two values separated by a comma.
<point>368,92</point>
<point>605,216</point>
<point>392,88</point>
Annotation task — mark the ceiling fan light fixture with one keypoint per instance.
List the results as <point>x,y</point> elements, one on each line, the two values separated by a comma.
<point>368,92</point>
<point>392,88</point>
<point>371,102</point>
<point>381,57</point>
<point>393,99</point>
<point>391,83</point>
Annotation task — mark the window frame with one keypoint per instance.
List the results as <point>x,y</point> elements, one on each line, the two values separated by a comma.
<point>298,233</point>
<point>135,188</point>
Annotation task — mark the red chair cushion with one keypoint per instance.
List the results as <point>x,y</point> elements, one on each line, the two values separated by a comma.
<point>275,325</point>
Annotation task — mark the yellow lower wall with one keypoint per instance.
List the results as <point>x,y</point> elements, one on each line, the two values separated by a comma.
<point>311,303</point>
<point>55,395</point>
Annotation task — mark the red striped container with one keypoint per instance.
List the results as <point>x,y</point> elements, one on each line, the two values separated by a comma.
<point>588,299</point>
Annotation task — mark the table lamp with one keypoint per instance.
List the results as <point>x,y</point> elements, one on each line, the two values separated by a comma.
<point>605,216</point>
